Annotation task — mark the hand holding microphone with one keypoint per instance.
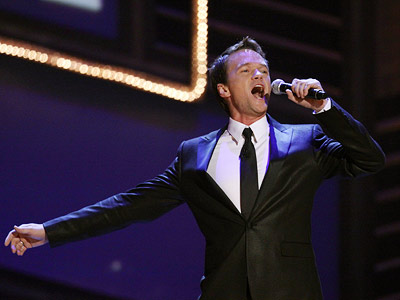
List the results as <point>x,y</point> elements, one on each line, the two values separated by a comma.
<point>305,92</point>
<point>279,87</point>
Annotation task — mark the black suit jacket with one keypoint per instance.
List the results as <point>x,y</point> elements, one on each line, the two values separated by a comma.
<point>270,253</point>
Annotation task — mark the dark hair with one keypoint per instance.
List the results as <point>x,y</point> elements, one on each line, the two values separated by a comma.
<point>217,70</point>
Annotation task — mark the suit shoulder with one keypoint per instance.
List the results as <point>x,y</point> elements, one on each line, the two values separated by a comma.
<point>287,126</point>
<point>303,132</point>
<point>206,137</point>
<point>193,143</point>
<point>300,127</point>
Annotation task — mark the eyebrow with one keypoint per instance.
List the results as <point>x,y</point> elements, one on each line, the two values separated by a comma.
<point>250,63</point>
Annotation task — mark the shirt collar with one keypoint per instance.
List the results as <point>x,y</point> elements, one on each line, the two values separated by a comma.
<point>260,129</point>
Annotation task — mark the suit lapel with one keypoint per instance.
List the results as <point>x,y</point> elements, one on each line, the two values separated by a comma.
<point>280,139</point>
<point>205,150</point>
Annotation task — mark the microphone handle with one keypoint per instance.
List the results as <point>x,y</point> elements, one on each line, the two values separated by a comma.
<point>312,93</point>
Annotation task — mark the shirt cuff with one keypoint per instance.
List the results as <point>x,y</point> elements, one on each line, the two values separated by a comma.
<point>327,107</point>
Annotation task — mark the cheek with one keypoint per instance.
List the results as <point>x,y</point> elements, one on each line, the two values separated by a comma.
<point>268,80</point>
<point>239,92</point>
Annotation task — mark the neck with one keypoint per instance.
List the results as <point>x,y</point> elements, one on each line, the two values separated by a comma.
<point>247,120</point>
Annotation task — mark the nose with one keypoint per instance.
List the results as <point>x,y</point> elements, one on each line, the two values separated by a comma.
<point>257,74</point>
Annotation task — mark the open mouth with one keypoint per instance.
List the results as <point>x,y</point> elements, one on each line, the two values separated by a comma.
<point>258,91</point>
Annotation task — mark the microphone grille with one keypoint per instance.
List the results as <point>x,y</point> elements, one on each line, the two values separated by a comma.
<point>275,86</point>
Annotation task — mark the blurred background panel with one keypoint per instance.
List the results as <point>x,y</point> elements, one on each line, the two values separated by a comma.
<point>69,140</point>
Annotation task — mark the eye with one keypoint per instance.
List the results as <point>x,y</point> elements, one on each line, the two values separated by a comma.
<point>244,70</point>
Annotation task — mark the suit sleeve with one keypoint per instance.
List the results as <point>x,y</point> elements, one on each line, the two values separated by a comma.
<point>145,202</point>
<point>349,150</point>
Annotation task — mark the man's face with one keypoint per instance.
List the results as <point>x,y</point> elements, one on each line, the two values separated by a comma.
<point>248,86</point>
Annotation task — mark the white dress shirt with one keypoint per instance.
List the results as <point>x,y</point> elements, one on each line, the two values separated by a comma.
<point>224,166</point>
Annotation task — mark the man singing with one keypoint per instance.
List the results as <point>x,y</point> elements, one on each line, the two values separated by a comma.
<point>250,186</point>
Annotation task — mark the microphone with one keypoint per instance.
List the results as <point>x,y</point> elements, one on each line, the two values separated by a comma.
<point>279,87</point>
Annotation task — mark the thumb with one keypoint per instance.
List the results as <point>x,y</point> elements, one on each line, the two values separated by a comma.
<point>20,230</point>
<point>290,95</point>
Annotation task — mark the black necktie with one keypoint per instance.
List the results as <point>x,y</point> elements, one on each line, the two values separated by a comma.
<point>248,174</point>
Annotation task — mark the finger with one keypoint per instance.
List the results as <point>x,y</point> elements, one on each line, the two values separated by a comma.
<point>20,246</point>
<point>14,244</point>
<point>21,251</point>
<point>290,95</point>
<point>296,86</point>
<point>22,231</point>
<point>24,226</point>
<point>19,229</point>
<point>9,237</point>
<point>26,243</point>
<point>315,84</point>
<point>299,89</point>
<point>312,84</point>
<point>303,89</point>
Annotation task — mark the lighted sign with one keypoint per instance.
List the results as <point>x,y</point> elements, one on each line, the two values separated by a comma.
<point>135,79</point>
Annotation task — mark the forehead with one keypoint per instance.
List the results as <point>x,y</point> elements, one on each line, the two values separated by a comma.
<point>242,57</point>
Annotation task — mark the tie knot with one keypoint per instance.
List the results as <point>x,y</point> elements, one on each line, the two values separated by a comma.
<point>247,133</point>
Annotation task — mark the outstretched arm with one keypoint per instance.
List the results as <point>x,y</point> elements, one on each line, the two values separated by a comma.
<point>146,202</point>
<point>24,237</point>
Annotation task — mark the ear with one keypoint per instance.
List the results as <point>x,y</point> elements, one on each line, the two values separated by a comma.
<point>223,90</point>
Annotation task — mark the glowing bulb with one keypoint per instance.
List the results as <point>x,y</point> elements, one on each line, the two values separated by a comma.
<point>60,62</point>
<point>202,69</point>
<point>67,64</point>
<point>43,58</point>
<point>83,69</point>
<point>96,71</point>
<point>147,85</point>
<point>119,76</point>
